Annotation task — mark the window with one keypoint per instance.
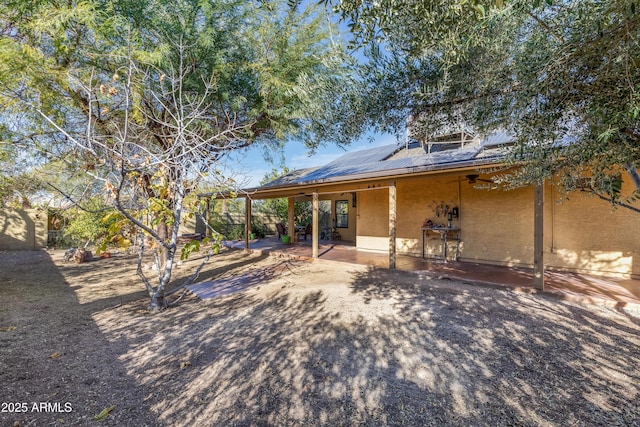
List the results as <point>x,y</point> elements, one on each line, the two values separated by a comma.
<point>342,214</point>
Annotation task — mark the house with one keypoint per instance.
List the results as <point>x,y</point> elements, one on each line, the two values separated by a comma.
<point>436,199</point>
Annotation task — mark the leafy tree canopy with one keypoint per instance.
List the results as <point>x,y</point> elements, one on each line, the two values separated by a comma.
<point>265,62</point>
<point>148,97</point>
<point>302,211</point>
<point>562,76</point>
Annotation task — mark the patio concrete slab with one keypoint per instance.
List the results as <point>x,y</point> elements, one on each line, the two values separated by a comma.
<point>611,291</point>
<point>231,285</point>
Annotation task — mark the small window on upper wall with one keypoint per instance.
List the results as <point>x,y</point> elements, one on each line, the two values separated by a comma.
<point>342,214</point>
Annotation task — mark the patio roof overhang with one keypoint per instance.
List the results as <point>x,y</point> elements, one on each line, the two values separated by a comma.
<point>377,168</point>
<point>356,182</point>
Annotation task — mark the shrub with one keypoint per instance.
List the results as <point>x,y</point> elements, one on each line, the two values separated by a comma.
<point>259,229</point>
<point>88,225</point>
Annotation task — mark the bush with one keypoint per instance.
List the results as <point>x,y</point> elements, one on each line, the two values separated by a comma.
<point>228,231</point>
<point>236,232</point>
<point>259,229</point>
<point>87,225</point>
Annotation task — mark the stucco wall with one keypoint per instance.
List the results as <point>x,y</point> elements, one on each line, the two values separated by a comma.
<point>373,220</point>
<point>417,201</point>
<point>585,233</point>
<point>496,225</point>
<point>582,233</point>
<point>23,229</point>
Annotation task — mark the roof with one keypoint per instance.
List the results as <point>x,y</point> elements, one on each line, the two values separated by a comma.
<point>398,159</point>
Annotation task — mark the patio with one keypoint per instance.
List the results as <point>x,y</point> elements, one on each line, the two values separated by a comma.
<point>610,291</point>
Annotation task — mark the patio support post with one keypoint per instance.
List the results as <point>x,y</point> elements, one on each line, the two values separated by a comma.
<point>392,226</point>
<point>247,222</point>
<point>291,221</point>
<point>538,236</point>
<point>314,226</point>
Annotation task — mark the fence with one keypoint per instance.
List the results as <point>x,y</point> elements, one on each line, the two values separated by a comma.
<point>231,225</point>
<point>23,229</point>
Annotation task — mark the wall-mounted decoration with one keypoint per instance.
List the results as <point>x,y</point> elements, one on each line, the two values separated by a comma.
<point>443,209</point>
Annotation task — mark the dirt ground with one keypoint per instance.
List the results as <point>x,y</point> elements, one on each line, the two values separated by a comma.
<point>312,343</point>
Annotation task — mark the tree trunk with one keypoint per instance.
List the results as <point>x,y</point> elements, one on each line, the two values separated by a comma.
<point>633,173</point>
<point>161,229</point>
<point>158,301</point>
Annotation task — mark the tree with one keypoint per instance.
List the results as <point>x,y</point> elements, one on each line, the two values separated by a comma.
<point>149,97</point>
<point>89,225</point>
<point>18,184</point>
<point>562,76</point>
<point>17,189</point>
<point>280,207</point>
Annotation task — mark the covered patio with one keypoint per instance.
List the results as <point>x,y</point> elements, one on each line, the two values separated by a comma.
<point>610,291</point>
<point>402,203</point>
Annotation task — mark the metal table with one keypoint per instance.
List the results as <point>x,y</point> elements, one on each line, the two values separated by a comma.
<point>444,238</point>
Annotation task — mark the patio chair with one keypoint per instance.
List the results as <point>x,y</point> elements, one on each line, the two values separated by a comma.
<point>282,229</point>
<point>307,230</point>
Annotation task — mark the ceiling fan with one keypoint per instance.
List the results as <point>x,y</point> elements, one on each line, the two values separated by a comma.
<point>473,178</point>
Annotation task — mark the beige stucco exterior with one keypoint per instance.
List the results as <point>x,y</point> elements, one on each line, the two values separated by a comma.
<point>23,229</point>
<point>581,232</point>
<point>586,234</point>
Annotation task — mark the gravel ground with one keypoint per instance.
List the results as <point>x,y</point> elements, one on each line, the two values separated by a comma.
<point>317,343</point>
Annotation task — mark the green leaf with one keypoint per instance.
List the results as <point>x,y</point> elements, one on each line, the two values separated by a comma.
<point>104,413</point>
<point>188,248</point>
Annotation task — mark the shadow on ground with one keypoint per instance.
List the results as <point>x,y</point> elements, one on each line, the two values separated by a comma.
<point>53,354</point>
<point>396,350</point>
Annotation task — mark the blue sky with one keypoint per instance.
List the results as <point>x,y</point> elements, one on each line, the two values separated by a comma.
<point>250,166</point>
